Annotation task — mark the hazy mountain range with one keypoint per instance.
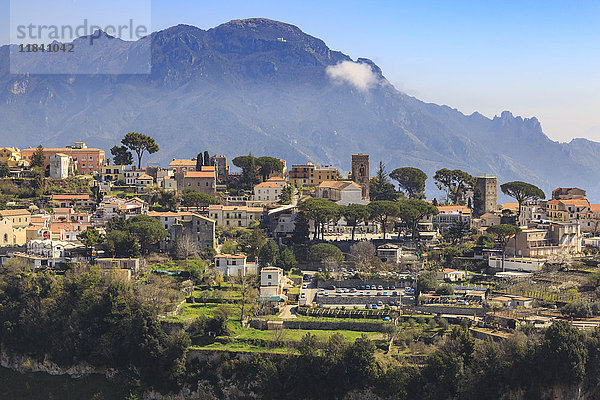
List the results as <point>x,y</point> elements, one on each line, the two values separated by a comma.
<point>266,87</point>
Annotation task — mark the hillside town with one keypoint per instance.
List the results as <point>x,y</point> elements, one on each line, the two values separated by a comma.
<point>277,251</point>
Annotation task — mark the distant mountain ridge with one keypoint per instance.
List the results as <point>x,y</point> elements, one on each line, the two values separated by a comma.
<point>266,87</point>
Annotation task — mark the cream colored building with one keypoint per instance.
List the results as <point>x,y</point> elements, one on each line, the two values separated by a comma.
<point>546,239</point>
<point>311,175</point>
<point>7,237</point>
<point>341,192</point>
<point>269,191</point>
<point>231,264</point>
<point>272,282</point>
<point>61,166</point>
<point>10,156</point>
<point>237,216</point>
<point>20,220</point>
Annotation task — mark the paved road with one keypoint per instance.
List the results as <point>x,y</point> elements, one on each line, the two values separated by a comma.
<point>286,313</point>
<point>310,291</point>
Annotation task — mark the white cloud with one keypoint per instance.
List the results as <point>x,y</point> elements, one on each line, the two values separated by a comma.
<point>359,75</point>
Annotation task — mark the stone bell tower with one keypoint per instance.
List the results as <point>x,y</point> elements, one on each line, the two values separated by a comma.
<point>360,173</point>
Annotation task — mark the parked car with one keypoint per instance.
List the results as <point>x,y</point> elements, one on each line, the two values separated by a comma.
<point>361,293</point>
<point>304,285</point>
<point>368,306</point>
<point>306,277</point>
<point>380,303</point>
<point>374,306</point>
<point>378,293</point>
<point>303,295</point>
<point>368,287</point>
<point>462,302</point>
<point>385,293</point>
<point>379,287</point>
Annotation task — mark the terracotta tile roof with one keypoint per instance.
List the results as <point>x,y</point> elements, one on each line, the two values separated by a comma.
<point>207,168</point>
<point>340,185</point>
<point>595,207</point>
<point>182,163</point>
<point>446,209</point>
<point>12,213</point>
<point>575,202</point>
<point>144,177</point>
<point>70,197</point>
<point>234,208</point>
<point>63,210</point>
<point>169,213</point>
<point>268,185</point>
<point>240,255</point>
<point>488,215</point>
<point>200,174</point>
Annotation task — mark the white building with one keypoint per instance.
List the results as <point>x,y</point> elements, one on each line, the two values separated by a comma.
<point>389,253</point>
<point>517,264</point>
<point>142,182</point>
<point>240,216</point>
<point>130,175</point>
<point>269,191</point>
<point>272,282</point>
<point>452,275</point>
<point>231,264</point>
<point>341,192</point>
<point>61,166</point>
<point>47,248</point>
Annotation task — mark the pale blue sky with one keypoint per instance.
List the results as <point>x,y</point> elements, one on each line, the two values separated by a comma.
<point>535,58</point>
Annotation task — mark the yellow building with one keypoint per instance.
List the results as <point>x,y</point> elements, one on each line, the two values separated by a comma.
<point>311,175</point>
<point>112,172</point>
<point>20,220</point>
<point>10,155</point>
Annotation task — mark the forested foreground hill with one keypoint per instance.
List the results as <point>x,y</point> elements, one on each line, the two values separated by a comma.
<point>87,317</point>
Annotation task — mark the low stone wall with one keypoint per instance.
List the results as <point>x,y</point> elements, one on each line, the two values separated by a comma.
<point>484,335</point>
<point>362,300</point>
<point>353,283</point>
<point>439,309</point>
<point>348,325</point>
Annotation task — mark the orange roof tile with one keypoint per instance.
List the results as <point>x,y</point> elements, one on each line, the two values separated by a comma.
<point>70,197</point>
<point>268,184</point>
<point>11,213</point>
<point>576,202</point>
<point>184,163</point>
<point>200,174</point>
<point>462,209</point>
<point>239,255</point>
<point>144,177</point>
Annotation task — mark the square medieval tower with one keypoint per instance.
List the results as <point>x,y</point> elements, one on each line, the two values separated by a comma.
<point>360,173</point>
